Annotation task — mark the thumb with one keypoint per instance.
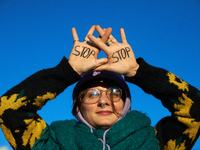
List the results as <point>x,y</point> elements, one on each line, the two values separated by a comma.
<point>100,62</point>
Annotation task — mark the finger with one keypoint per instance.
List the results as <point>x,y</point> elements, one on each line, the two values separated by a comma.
<point>75,35</point>
<point>100,62</point>
<point>123,36</point>
<point>103,67</point>
<point>97,42</point>
<point>109,42</point>
<point>111,38</point>
<point>106,35</point>
<point>100,30</point>
<point>91,31</point>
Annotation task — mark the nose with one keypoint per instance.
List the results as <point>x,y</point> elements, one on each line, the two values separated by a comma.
<point>103,99</point>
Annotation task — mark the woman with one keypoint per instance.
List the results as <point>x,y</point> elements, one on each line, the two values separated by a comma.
<point>101,102</point>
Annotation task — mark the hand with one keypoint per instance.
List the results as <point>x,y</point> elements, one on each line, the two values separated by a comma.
<point>83,57</point>
<point>121,58</point>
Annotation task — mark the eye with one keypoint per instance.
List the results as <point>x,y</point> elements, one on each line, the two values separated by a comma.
<point>115,91</point>
<point>117,94</point>
<point>92,94</point>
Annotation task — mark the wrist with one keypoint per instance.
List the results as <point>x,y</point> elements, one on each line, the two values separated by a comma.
<point>132,72</point>
<point>74,67</point>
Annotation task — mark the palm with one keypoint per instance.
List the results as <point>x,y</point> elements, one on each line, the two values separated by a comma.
<point>121,58</point>
<point>83,57</point>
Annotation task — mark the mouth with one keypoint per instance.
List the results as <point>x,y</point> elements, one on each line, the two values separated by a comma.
<point>105,112</point>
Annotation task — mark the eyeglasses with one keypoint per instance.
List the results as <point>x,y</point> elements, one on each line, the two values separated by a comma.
<point>94,95</point>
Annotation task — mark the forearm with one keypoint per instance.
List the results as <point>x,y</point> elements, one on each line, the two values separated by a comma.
<point>167,87</point>
<point>180,98</point>
<point>18,106</point>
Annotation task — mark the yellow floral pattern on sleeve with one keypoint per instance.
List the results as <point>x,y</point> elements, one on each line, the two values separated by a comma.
<point>9,136</point>
<point>171,145</point>
<point>182,85</point>
<point>33,131</point>
<point>39,100</point>
<point>11,103</point>
<point>182,108</point>
<point>34,125</point>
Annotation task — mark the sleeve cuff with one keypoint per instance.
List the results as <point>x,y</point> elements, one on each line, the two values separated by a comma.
<point>66,72</point>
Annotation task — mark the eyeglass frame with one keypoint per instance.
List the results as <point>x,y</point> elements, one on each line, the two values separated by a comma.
<point>100,91</point>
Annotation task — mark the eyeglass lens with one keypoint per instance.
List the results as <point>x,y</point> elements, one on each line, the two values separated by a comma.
<point>93,95</point>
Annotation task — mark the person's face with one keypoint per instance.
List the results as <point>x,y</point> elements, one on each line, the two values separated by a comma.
<point>102,117</point>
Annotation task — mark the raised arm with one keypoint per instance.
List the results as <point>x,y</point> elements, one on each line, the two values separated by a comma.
<point>181,129</point>
<point>20,123</point>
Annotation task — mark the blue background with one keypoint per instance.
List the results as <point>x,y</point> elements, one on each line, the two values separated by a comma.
<point>36,34</point>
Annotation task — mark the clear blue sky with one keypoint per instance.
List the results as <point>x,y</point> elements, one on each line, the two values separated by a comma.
<point>36,34</point>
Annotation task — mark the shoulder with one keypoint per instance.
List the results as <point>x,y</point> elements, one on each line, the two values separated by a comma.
<point>134,119</point>
<point>137,115</point>
<point>63,124</point>
<point>58,135</point>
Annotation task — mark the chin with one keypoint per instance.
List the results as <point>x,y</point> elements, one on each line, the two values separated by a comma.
<point>105,125</point>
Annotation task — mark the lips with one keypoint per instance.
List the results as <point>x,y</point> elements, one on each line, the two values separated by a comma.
<point>105,112</point>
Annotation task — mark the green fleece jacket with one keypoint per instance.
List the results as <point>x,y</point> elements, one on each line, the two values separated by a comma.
<point>24,128</point>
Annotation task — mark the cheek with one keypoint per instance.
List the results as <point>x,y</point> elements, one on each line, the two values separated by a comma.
<point>86,110</point>
<point>119,106</point>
